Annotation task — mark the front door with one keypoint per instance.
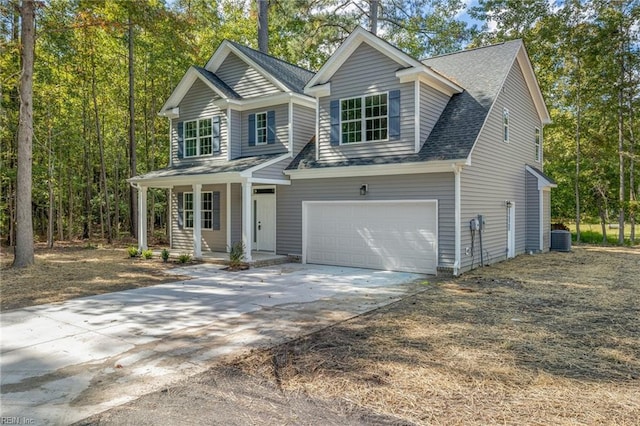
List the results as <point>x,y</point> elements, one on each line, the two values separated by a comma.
<point>264,219</point>
<point>511,230</point>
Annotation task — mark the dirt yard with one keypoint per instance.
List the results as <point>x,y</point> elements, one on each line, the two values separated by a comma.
<point>75,270</point>
<point>544,339</point>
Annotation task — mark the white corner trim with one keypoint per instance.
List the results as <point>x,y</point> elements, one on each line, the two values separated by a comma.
<point>317,130</point>
<point>290,127</point>
<point>457,170</point>
<point>417,117</point>
<point>229,138</point>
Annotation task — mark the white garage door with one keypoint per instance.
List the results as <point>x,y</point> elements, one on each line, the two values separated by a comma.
<point>389,235</point>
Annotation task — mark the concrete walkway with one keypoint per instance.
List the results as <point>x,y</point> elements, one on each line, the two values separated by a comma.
<point>61,363</point>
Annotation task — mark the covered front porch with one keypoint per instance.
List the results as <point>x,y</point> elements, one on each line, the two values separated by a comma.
<point>214,208</point>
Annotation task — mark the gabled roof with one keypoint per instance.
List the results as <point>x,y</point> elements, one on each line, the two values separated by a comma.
<point>216,81</point>
<point>284,75</point>
<point>544,181</point>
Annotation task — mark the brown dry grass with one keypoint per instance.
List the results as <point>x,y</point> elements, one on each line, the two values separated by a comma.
<point>72,270</point>
<point>545,339</point>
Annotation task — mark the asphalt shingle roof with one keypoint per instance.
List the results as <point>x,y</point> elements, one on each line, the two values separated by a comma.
<point>481,72</point>
<point>292,76</point>
<point>217,81</point>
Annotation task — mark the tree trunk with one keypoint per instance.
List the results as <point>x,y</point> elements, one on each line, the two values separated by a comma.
<point>88,175</point>
<point>373,16</point>
<point>52,201</point>
<point>622,191</point>
<point>577,177</point>
<point>263,26</point>
<point>133,196</point>
<point>24,221</point>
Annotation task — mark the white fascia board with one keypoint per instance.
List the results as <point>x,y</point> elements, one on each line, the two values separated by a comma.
<point>269,181</point>
<point>225,49</point>
<point>346,49</point>
<point>249,172</point>
<point>532,85</point>
<point>168,182</point>
<point>267,101</point>
<point>376,170</point>
<point>319,91</point>
<point>429,77</point>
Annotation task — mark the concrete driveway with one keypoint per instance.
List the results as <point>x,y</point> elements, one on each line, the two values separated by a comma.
<point>63,362</point>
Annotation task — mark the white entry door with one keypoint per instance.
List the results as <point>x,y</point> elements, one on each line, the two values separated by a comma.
<point>264,221</point>
<point>511,230</point>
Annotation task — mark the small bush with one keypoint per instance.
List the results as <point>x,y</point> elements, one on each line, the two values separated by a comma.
<point>236,254</point>
<point>184,258</point>
<point>165,255</point>
<point>133,251</point>
<point>147,254</point>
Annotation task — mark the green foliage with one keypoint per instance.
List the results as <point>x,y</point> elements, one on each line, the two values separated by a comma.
<point>236,254</point>
<point>165,255</point>
<point>147,254</point>
<point>184,258</point>
<point>133,251</point>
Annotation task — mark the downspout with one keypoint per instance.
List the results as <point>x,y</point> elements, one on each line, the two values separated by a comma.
<point>457,216</point>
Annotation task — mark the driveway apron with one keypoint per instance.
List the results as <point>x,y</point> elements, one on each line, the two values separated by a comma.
<point>63,362</point>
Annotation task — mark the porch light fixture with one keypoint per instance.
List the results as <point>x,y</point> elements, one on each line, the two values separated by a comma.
<point>508,204</point>
<point>364,188</point>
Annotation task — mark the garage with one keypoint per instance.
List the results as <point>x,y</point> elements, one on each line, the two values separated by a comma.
<point>390,235</point>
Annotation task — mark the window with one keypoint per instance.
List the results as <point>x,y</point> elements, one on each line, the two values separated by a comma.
<point>198,137</point>
<point>261,128</point>
<point>369,113</point>
<point>538,145</point>
<point>505,124</point>
<point>209,211</point>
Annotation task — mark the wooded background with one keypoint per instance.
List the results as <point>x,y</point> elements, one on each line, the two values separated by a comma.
<point>104,68</point>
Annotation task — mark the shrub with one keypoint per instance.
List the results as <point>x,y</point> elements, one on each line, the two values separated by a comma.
<point>236,255</point>
<point>184,258</point>
<point>165,255</point>
<point>133,251</point>
<point>147,254</point>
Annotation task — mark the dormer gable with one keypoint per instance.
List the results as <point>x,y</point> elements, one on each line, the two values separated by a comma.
<point>409,69</point>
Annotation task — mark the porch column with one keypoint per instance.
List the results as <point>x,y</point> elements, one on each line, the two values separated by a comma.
<point>197,220</point>
<point>142,218</point>
<point>247,226</point>
<point>228,214</point>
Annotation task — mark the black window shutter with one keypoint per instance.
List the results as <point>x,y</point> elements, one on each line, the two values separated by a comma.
<point>335,122</point>
<point>216,210</point>
<point>180,210</point>
<point>252,129</point>
<point>216,134</point>
<point>180,139</point>
<point>271,127</point>
<point>394,114</point>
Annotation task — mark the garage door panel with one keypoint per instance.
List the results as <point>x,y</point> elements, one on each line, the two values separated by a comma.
<point>396,235</point>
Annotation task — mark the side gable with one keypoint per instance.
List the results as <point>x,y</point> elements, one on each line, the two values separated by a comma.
<point>244,79</point>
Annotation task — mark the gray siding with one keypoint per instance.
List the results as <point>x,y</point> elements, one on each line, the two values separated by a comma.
<point>304,126</point>
<point>367,72</point>
<point>532,213</point>
<point>546,217</point>
<point>432,103</point>
<point>236,134</point>
<point>274,171</point>
<point>236,212</point>
<point>497,172</point>
<point>282,132</point>
<point>198,103</point>
<point>182,239</point>
<point>242,78</point>
<point>405,187</point>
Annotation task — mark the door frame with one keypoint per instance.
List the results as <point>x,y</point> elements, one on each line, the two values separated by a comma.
<point>254,213</point>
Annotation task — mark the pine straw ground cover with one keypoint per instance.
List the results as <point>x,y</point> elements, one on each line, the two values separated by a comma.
<point>75,269</point>
<point>545,339</point>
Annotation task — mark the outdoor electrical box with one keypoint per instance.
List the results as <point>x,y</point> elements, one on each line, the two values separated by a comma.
<point>474,225</point>
<point>480,222</point>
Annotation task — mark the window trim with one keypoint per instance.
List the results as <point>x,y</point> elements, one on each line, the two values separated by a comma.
<point>198,138</point>
<point>363,118</point>
<point>185,210</point>
<point>266,128</point>
<point>505,125</point>
<point>538,144</point>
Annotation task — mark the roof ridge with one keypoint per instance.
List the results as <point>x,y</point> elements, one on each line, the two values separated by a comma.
<point>471,49</point>
<point>241,46</point>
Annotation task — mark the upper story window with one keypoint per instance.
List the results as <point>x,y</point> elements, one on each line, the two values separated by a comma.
<point>261,128</point>
<point>364,118</point>
<point>199,137</point>
<point>538,145</point>
<point>505,124</point>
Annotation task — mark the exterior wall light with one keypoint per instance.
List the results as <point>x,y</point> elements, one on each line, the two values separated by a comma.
<point>364,189</point>
<point>508,204</point>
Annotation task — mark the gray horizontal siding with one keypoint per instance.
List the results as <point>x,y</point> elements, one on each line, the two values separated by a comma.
<point>546,217</point>
<point>304,126</point>
<point>198,103</point>
<point>366,72</point>
<point>282,132</point>
<point>432,103</point>
<point>242,78</point>
<point>273,171</point>
<point>212,240</point>
<point>236,134</point>
<point>497,172</point>
<point>532,214</point>
<point>405,187</point>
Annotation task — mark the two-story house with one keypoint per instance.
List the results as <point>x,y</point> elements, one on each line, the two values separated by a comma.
<point>378,160</point>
